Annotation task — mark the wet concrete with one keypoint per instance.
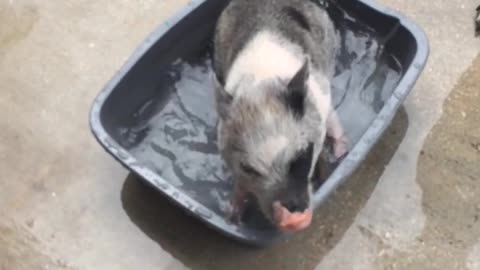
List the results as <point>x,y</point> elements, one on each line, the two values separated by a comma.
<point>65,204</point>
<point>449,175</point>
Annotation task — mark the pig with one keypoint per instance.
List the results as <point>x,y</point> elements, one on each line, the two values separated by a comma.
<point>273,63</point>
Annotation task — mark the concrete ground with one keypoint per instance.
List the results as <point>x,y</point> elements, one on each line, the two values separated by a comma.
<point>66,204</point>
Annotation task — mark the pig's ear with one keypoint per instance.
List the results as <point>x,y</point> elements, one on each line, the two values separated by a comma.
<point>297,90</point>
<point>222,97</point>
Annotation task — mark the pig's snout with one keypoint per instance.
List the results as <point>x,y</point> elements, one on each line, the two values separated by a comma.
<point>288,221</point>
<point>296,206</point>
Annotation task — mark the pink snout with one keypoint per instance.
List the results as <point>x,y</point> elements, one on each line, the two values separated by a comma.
<point>291,222</point>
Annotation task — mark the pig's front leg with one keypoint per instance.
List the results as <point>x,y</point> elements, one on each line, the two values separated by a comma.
<point>238,204</point>
<point>336,132</point>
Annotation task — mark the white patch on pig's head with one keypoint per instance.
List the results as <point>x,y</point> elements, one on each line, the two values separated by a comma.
<point>271,147</point>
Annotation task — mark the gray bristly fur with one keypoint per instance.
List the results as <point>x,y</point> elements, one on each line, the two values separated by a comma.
<point>269,124</point>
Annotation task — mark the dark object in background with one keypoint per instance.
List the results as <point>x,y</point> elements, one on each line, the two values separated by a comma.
<point>156,116</point>
<point>477,22</point>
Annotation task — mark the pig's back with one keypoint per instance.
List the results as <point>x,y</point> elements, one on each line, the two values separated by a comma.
<point>296,22</point>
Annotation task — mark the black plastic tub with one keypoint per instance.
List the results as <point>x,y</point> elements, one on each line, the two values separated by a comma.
<point>156,116</point>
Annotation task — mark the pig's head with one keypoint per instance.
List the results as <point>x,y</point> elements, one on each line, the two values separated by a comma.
<point>270,139</point>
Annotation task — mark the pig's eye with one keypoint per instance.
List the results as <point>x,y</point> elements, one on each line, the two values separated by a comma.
<point>249,170</point>
<point>300,165</point>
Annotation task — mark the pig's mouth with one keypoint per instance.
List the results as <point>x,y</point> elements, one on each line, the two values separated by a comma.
<point>287,221</point>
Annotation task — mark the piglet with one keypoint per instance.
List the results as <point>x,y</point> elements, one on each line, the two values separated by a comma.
<point>274,61</point>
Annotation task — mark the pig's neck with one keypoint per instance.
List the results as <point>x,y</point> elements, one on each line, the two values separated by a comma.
<point>265,57</point>
<point>269,57</point>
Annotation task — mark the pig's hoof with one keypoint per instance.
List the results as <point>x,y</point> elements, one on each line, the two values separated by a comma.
<point>338,160</point>
<point>232,217</point>
<point>234,213</point>
<point>340,148</point>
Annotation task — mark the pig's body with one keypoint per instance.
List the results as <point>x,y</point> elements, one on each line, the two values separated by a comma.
<point>274,60</point>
